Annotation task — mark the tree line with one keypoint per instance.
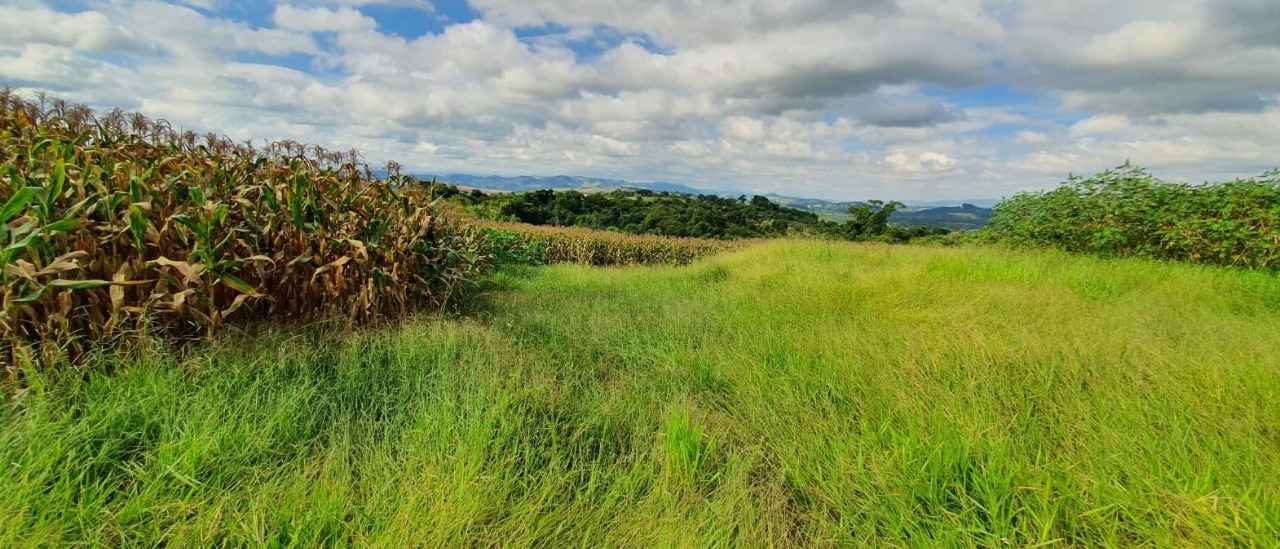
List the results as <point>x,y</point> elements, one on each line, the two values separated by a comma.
<point>663,213</point>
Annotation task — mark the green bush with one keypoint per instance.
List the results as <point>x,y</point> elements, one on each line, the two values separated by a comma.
<point>1126,212</point>
<point>508,248</point>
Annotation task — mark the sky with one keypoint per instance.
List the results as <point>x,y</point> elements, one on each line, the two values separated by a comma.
<point>836,99</point>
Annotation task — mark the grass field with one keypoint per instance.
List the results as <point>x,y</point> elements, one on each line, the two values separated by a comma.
<point>788,394</point>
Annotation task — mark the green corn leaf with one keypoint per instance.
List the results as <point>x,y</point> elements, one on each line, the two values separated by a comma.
<point>269,196</point>
<point>29,297</point>
<point>15,204</point>
<point>295,209</point>
<point>142,192</point>
<point>115,201</point>
<point>15,178</point>
<point>187,222</point>
<point>63,226</point>
<point>79,284</point>
<point>138,222</point>
<point>56,182</point>
<point>218,247</point>
<point>24,236</point>
<point>237,284</point>
<point>76,210</point>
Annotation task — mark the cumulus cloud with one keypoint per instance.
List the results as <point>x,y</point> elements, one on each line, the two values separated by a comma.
<point>1148,57</point>
<point>1108,124</point>
<point>828,98</point>
<point>85,31</point>
<point>321,19</point>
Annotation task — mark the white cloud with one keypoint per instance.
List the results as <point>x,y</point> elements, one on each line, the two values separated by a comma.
<point>1028,137</point>
<point>743,128</point>
<point>37,62</point>
<point>1099,125</point>
<point>1143,42</point>
<point>1148,57</point>
<point>207,5</point>
<point>806,97</point>
<point>927,162</point>
<point>291,17</point>
<point>84,31</point>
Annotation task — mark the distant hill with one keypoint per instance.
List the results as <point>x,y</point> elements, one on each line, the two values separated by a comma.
<point>964,216</point>
<point>951,214</point>
<point>979,202</point>
<point>824,208</point>
<point>959,217</point>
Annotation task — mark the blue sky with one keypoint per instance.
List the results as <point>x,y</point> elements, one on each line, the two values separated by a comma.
<point>905,99</point>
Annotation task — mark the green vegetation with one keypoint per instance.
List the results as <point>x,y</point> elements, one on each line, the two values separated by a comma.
<point>662,213</point>
<point>119,223</point>
<point>646,212</point>
<point>779,392</point>
<point>1126,212</point>
<point>523,244</point>
<point>790,393</point>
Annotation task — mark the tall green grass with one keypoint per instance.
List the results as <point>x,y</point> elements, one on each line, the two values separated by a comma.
<point>786,394</point>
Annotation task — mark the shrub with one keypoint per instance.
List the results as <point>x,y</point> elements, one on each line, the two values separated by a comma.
<point>508,248</point>
<point>1126,212</point>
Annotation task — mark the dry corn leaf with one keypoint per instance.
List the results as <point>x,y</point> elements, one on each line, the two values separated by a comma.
<point>191,273</point>
<point>330,266</point>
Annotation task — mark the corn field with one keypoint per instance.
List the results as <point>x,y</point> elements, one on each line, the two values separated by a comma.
<point>600,248</point>
<point>118,222</point>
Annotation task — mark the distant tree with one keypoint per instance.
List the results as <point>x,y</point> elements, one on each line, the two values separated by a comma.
<point>870,219</point>
<point>706,216</point>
